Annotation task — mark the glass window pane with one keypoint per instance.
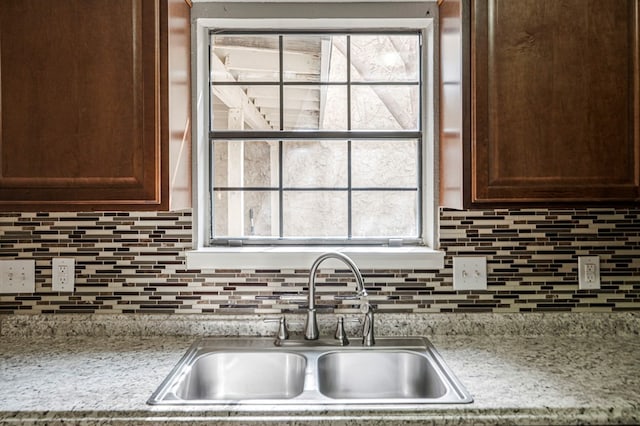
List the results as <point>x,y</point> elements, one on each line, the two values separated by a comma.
<point>317,107</point>
<point>385,57</point>
<point>319,164</point>
<point>311,57</point>
<point>245,164</point>
<point>245,58</point>
<point>245,107</point>
<point>385,214</point>
<point>315,214</point>
<point>246,213</point>
<point>333,101</point>
<point>384,164</point>
<point>382,107</point>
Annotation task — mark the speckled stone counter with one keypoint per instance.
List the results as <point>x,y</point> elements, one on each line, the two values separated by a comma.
<point>538,369</point>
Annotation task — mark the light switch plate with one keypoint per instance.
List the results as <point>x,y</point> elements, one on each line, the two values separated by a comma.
<point>17,276</point>
<point>469,273</point>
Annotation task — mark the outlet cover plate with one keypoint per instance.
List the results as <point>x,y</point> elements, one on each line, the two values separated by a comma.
<point>18,276</point>
<point>63,274</point>
<point>469,273</point>
<point>589,272</point>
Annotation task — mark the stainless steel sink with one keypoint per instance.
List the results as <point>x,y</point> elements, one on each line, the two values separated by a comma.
<point>379,375</point>
<point>255,371</point>
<point>243,375</point>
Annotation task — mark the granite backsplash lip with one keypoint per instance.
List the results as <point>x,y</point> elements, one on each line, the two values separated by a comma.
<point>477,324</point>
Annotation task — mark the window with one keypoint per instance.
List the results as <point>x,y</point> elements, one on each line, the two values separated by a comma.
<point>314,127</point>
<point>315,137</point>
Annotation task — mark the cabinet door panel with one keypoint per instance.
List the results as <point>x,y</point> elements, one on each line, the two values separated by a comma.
<point>555,101</point>
<point>79,103</point>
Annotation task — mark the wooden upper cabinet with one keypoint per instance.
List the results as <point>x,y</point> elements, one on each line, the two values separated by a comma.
<point>552,92</point>
<point>94,105</point>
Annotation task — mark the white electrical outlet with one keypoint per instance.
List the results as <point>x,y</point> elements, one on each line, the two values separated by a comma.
<point>63,274</point>
<point>469,273</point>
<point>17,276</point>
<point>588,272</point>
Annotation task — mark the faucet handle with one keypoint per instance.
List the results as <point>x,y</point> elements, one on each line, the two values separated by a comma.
<point>341,335</point>
<point>368,334</point>
<point>283,331</point>
<point>346,297</point>
<point>365,306</point>
<point>292,298</point>
<point>362,297</point>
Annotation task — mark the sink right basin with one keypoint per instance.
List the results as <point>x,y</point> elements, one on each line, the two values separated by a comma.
<point>378,375</point>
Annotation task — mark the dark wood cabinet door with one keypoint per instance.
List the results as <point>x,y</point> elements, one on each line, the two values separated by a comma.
<point>555,113</point>
<point>555,100</point>
<point>82,85</point>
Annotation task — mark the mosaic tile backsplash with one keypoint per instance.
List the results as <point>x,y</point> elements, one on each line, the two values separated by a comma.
<point>134,263</point>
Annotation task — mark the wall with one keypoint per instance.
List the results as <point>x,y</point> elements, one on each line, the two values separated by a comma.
<point>134,263</point>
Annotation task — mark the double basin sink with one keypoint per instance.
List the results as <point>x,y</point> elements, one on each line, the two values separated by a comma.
<point>240,370</point>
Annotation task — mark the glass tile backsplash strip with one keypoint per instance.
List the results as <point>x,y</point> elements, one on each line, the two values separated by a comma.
<point>133,262</point>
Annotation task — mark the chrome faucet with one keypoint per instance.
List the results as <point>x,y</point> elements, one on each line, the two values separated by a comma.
<point>311,326</point>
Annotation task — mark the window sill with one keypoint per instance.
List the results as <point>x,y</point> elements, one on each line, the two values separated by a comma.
<point>302,257</point>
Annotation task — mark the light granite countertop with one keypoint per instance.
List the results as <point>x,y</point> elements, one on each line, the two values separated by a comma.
<point>520,369</point>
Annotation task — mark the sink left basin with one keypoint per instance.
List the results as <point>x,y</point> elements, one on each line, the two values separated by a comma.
<point>243,375</point>
<point>245,372</point>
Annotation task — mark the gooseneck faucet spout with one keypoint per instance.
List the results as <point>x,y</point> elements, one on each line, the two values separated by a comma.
<point>311,326</point>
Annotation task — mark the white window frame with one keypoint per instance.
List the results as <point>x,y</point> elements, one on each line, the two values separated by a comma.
<point>288,15</point>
